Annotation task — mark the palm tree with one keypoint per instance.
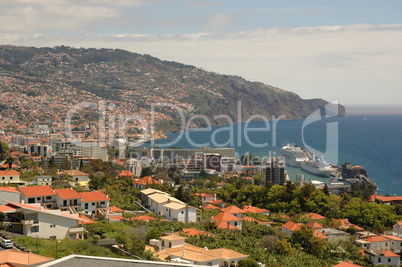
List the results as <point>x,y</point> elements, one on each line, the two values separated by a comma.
<point>10,161</point>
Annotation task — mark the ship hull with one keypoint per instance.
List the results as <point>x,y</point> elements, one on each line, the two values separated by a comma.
<point>316,171</point>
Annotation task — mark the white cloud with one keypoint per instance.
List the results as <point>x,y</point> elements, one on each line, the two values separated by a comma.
<point>357,64</point>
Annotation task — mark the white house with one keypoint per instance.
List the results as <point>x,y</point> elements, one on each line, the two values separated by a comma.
<point>384,257</point>
<point>395,243</point>
<point>374,243</point>
<point>9,176</point>
<point>134,165</point>
<point>205,198</point>
<point>157,201</point>
<point>76,175</point>
<point>39,194</point>
<point>95,202</point>
<point>175,250</point>
<point>68,199</point>
<point>228,220</point>
<point>36,221</point>
<point>175,211</point>
<point>9,193</point>
<point>44,180</point>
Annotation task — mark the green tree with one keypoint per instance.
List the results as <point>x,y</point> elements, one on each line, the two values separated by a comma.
<point>283,247</point>
<point>248,263</point>
<point>154,233</point>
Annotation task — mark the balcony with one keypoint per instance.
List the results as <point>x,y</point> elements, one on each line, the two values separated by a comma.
<point>27,222</point>
<point>76,230</point>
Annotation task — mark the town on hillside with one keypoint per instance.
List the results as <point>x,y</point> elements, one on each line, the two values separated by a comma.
<point>197,207</point>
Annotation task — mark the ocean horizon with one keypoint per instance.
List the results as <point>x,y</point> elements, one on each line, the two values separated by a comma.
<point>367,136</point>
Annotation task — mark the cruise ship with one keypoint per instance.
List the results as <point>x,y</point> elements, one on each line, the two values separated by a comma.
<point>293,155</point>
<point>318,167</point>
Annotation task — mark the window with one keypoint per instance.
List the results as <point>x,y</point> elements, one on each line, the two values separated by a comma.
<point>86,206</point>
<point>235,224</point>
<point>49,197</point>
<point>35,229</point>
<point>52,237</point>
<point>93,203</point>
<point>64,202</point>
<point>209,263</point>
<point>38,198</point>
<point>76,179</point>
<point>31,200</point>
<point>389,260</point>
<point>75,202</point>
<point>182,212</point>
<point>379,259</point>
<point>11,177</point>
<point>102,202</point>
<point>2,178</point>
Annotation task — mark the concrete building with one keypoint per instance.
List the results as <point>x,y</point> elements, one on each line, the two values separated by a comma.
<point>134,165</point>
<point>35,221</point>
<point>9,193</point>
<point>384,257</point>
<point>334,235</point>
<point>229,220</point>
<point>175,250</point>
<point>275,172</point>
<point>185,154</point>
<point>39,194</point>
<point>44,180</point>
<point>95,203</point>
<point>68,199</point>
<point>163,204</point>
<point>10,176</point>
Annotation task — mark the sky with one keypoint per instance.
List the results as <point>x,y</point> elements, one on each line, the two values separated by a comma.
<point>349,51</point>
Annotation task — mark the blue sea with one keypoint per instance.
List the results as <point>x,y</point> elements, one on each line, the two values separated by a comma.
<point>365,137</point>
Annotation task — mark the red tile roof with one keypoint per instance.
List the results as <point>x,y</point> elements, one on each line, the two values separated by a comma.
<point>232,209</point>
<point>125,173</point>
<point>67,193</point>
<point>254,209</point>
<point>393,237</point>
<point>94,196</point>
<point>7,207</point>
<point>147,181</point>
<point>226,217</point>
<point>319,235</point>
<point>386,199</point>
<point>292,226</point>
<point>142,218</point>
<point>13,166</point>
<point>315,216</point>
<point>347,264</point>
<point>376,239</point>
<point>89,221</point>
<point>211,207</point>
<point>33,191</point>
<point>389,254</point>
<point>315,225</point>
<point>9,172</point>
<point>9,189</point>
<point>116,209</point>
<point>218,201</point>
<point>194,232</point>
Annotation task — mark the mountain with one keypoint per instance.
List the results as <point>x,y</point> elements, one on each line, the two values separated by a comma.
<point>51,80</point>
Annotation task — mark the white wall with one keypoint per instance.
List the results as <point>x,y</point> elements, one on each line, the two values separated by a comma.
<point>46,229</point>
<point>15,197</point>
